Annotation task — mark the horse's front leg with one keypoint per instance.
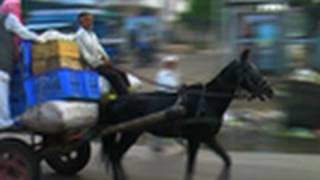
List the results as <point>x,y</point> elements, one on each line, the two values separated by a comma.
<point>193,147</point>
<point>216,147</point>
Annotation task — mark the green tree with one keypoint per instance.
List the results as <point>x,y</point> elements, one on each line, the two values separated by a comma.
<point>202,13</point>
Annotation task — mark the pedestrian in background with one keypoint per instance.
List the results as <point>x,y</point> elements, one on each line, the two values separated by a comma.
<point>169,75</point>
<point>168,80</point>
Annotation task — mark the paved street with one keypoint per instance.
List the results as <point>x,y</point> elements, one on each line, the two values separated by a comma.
<point>142,164</point>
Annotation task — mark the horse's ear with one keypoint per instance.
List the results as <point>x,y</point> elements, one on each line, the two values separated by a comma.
<point>245,55</point>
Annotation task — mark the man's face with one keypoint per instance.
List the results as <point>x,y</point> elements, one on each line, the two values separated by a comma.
<point>86,21</point>
<point>171,65</point>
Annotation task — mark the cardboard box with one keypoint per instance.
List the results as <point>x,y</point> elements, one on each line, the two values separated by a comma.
<point>55,49</point>
<point>47,65</point>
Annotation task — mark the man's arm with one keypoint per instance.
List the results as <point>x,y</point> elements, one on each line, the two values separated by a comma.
<point>13,24</point>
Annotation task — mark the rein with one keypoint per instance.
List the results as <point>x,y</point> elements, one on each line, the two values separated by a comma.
<point>147,80</point>
<point>190,92</point>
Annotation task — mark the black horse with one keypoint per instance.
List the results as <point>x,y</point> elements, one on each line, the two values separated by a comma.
<point>205,105</point>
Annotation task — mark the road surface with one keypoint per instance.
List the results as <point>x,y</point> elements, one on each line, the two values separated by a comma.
<point>143,164</point>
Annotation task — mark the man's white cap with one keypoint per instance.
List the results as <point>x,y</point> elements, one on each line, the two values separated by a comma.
<point>170,58</point>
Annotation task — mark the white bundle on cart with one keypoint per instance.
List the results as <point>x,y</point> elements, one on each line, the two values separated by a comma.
<point>60,116</point>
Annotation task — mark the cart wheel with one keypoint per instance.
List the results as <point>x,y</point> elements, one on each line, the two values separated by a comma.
<point>70,163</point>
<point>18,161</point>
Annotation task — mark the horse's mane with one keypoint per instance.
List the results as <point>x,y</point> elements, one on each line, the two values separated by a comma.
<point>233,64</point>
<point>227,70</point>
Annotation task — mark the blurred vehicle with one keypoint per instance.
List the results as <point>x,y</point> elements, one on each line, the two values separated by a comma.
<point>298,96</point>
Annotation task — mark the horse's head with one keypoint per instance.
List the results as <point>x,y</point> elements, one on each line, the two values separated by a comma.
<point>251,79</point>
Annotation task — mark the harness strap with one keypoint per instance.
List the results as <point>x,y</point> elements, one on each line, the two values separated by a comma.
<point>202,105</point>
<point>204,120</point>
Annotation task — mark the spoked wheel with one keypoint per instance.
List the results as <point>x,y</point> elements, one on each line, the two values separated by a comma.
<point>72,162</point>
<point>18,161</point>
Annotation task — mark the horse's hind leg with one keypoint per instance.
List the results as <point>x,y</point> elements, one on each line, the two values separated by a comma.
<point>193,147</point>
<point>216,147</point>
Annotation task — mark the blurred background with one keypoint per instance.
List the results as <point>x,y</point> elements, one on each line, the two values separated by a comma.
<point>284,36</point>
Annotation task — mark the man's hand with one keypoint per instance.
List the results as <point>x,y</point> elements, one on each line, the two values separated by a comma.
<point>106,62</point>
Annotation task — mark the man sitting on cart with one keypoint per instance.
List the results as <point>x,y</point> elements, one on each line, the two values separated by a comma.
<point>9,25</point>
<point>94,56</point>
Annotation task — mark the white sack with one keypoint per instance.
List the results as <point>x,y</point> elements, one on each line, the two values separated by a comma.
<point>56,35</point>
<point>59,116</point>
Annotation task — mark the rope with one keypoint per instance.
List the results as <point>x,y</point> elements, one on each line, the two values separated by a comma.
<point>192,92</point>
<point>149,81</point>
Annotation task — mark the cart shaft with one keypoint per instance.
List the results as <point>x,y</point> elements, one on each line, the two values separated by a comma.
<point>170,114</point>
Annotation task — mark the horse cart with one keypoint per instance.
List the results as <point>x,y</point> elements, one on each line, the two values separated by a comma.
<point>66,153</point>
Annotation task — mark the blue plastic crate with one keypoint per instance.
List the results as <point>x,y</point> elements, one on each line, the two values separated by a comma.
<point>90,81</point>
<point>53,85</point>
<point>17,106</point>
<point>17,100</point>
<point>16,86</point>
<point>61,84</point>
<point>26,58</point>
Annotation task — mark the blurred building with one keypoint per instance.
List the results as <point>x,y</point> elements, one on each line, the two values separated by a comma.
<point>278,33</point>
<point>147,17</point>
<point>167,9</point>
<point>259,25</point>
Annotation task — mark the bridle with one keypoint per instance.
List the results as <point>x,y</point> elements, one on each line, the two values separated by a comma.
<point>204,94</point>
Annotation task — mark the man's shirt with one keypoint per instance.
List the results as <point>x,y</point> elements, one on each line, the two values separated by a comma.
<point>169,78</point>
<point>90,48</point>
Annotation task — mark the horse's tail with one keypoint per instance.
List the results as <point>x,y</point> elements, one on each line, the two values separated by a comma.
<point>107,150</point>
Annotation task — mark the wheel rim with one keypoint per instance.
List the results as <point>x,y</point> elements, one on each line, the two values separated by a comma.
<point>13,166</point>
